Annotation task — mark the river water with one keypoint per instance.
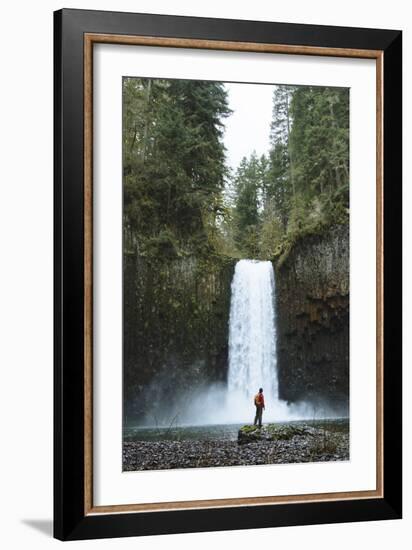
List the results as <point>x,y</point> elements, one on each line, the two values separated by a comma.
<point>213,432</point>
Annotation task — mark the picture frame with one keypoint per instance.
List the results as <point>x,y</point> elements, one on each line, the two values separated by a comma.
<point>76,32</point>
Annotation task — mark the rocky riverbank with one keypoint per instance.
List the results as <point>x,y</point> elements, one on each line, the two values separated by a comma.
<point>280,444</point>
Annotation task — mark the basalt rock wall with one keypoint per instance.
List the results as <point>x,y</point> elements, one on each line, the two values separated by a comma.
<point>312,295</point>
<point>176,315</point>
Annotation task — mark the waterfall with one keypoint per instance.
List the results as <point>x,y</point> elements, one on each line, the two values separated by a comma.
<point>252,358</point>
<point>252,340</point>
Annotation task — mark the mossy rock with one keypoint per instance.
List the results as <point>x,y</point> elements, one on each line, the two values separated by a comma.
<point>273,432</point>
<point>248,429</point>
<point>248,433</point>
<point>286,432</point>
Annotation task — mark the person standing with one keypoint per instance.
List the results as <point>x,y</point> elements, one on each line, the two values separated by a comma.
<point>260,405</point>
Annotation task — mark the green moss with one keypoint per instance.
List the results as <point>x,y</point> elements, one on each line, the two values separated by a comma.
<point>248,429</point>
<point>292,239</point>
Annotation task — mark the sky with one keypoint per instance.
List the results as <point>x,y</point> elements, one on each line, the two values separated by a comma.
<point>248,127</point>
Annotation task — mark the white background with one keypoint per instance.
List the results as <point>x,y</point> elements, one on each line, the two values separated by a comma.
<point>111,486</point>
<point>26,274</point>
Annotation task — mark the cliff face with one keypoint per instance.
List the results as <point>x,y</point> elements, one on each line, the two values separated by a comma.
<point>176,315</point>
<point>176,325</point>
<point>312,294</point>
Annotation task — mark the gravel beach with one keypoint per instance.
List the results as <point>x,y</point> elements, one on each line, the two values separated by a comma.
<point>315,446</point>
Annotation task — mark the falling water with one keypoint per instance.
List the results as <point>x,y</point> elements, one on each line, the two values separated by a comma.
<point>252,340</point>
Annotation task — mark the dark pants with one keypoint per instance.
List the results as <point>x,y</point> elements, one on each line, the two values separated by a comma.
<point>258,416</point>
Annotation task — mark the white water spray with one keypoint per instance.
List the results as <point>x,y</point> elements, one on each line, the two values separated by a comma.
<point>252,342</point>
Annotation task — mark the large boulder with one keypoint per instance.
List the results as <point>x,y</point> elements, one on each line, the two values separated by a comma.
<point>274,432</point>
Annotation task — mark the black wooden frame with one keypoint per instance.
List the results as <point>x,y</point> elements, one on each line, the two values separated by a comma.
<point>70,521</point>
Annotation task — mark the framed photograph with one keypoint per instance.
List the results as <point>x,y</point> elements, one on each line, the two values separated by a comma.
<point>227,274</point>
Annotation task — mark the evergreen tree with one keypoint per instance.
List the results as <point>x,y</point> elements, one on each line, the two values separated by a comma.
<point>279,190</point>
<point>308,177</point>
<point>281,127</point>
<point>246,206</point>
<point>320,140</point>
<point>174,162</point>
<point>248,186</point>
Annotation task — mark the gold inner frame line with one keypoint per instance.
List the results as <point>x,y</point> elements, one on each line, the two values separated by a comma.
<point>89,40</point>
